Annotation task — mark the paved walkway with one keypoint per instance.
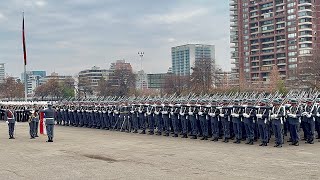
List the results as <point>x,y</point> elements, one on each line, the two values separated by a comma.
<point>81,153</point>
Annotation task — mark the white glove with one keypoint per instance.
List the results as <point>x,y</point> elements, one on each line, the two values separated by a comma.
<point>7,122</point>
<point>259,116</point>
<point>140,111</point>
<point>157,113</point>
<point>308,115</point>
<point>190,113</point>
<point>164,112</point>
<point>318,114</point>
<point>221,115</point>
<point>181,114</point>
<point>212,115</point>
<point>236,115</point>
<point>273,116</point>
<point>200,113</point>
<point>148,113</point>
<point>171,113</point>
<point>246,115</point>
<point>131,112</point>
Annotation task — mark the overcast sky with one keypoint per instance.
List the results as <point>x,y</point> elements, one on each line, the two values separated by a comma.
<point>67,36</point>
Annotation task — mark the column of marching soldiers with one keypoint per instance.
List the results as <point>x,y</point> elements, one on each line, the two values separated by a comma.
<point>248,117</point>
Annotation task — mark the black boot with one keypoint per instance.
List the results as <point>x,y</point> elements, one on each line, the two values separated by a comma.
<point>226,140</point>
<point>167,134</point>
<point>251,142</point>
<point>175,135</point>
<point>135,131</point>
<point>159,133</point>
<point>184,136</point>
<point>193,137</point>
<point>151,133</point>
<point>204,138</point>
<point>143,132</point>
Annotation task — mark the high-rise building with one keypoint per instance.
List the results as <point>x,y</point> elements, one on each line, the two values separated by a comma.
<point>34,79</point>
<point>272,33</point>
<point>184,57</point>
<point>121,70</point>
<point>2,72</point>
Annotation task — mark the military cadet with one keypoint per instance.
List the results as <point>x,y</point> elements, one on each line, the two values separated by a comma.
<point>277,118</point>
<point>166,118</point>
<point>10,118</point>
<point>237,116</point>
<point>203,118</point>
<point>214,113</point>
<point>263,118</point>
<point>135,118</point>
<point>150,117</point>
<point>158,118</point>
<point>175,118</point>
<point>192,116</point>
<point>294,118</point>
<point>124,117</point>
<point>49,115</point>
<point>309,117</point>
<point>184,119</point>
<point>142,118</point>
<point>249,119</point>
<point>225,115</point>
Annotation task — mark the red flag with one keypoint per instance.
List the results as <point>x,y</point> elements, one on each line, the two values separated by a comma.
<point>24,43</point>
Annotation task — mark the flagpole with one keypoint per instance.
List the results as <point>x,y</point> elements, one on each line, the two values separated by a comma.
<point>25,61</point>
<point>25,84</point>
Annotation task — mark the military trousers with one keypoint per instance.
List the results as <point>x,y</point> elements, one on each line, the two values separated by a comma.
<point>184,124</point>
<point>50,128</point>
<point>226,127</point>
<point>263,128</point>
<point>32,130</point>
<point>175,123</point>
<point>11,129</point>
<point>204,126</point>
<point>237,128</point>
<point>249,128</point>
<point>194,126</point>
<point>294,132</point>
<point>215,130</point>
<point>310,129</point>
<point>277,125</point>
<point>151,122</point>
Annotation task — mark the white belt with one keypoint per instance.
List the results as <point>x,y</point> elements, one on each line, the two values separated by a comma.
<point>10,118</point>
<point>48,118</point>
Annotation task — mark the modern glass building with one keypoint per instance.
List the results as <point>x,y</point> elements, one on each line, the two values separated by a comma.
<point>184,57</point>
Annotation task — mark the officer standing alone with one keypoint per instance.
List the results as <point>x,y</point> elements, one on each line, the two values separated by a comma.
<point>49,115</point>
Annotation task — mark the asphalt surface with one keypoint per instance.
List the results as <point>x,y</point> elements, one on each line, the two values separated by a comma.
<point>81,153</point>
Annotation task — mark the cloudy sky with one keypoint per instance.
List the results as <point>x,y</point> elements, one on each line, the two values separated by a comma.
<point>67,36</point>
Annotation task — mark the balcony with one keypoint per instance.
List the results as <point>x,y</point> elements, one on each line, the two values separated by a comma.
<point>234,24</point>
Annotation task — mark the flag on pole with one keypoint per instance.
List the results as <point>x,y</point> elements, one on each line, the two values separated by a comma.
<point>24,43</point>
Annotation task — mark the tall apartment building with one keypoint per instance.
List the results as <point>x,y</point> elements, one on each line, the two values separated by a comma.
<point>184,57</point>
<point>267,33</point>
<point>2,72</point>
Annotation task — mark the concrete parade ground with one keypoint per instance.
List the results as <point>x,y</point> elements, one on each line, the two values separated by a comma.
<point>82,153</point>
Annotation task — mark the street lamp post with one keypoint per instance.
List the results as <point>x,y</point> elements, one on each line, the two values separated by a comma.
<point>141,54</point>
